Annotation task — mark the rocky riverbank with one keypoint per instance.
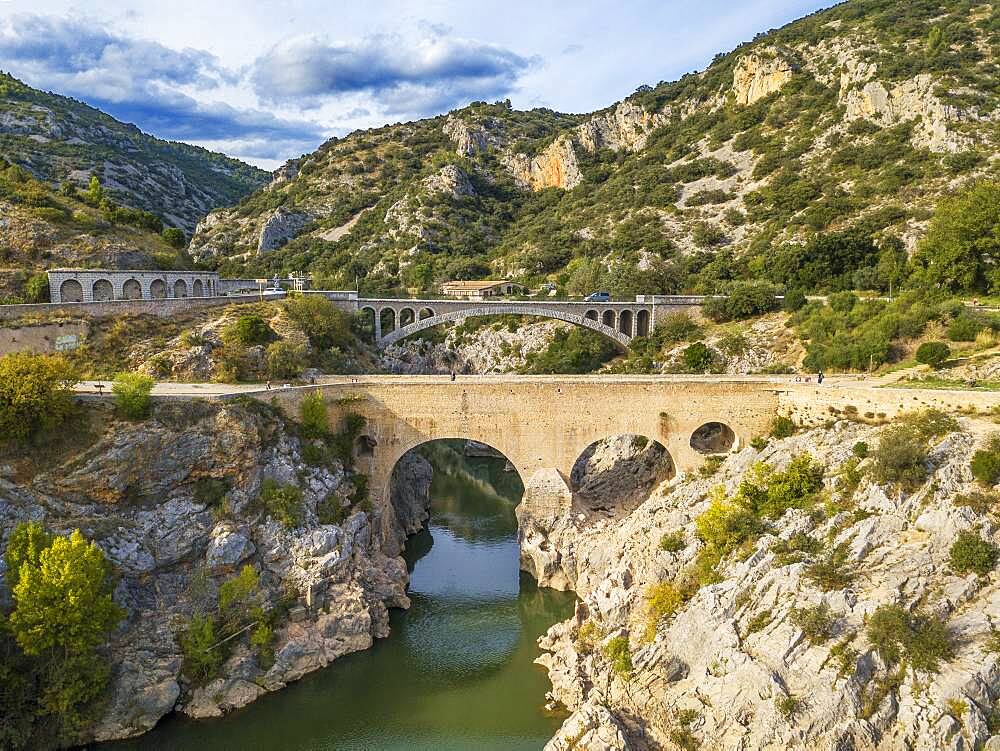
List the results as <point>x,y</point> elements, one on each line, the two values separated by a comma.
<point>775,650</point>
<point>174,502</point>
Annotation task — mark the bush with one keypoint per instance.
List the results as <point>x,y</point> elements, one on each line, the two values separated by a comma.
<point>970,552</point>
<point>745,300</point>
<point>817,622</point>
<point>698,358</point>
<point>132,392</point>
<point>860,449</point>
<point>313,416</point>
<point>986,463</point>
<point>572,351</point>
<point>933,353</point>
<point>921,640</point>
<point>782,427</point>
<point>247,330</point>
<point>673,542</point>
<point>285,359</point>
<point>324,323</point>
<point>35,394</point>
<point>831,572</point>
<point>283,502</point>
<point>37,288</point>
<point>201,662</point>
<point>795,299</point>
<point>619,655</point>
<point>964,329</point>
<point>677,327</point>
<point>900,456</point>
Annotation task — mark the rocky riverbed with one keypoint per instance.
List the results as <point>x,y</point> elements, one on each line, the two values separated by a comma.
<point>735,666</point>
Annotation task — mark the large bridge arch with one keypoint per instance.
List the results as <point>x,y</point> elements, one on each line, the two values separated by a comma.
<point>619,337</point>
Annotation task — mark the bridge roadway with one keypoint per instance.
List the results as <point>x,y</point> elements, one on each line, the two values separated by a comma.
<point>542,424</point>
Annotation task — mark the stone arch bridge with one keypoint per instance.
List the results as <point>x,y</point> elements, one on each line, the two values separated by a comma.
<point>541,424</point>
<point>620,321</point>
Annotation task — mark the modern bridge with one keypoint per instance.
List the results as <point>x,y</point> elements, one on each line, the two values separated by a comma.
<point>620,321</point>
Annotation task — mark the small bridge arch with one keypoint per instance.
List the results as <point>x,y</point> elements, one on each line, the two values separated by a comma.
<point>620,337</point>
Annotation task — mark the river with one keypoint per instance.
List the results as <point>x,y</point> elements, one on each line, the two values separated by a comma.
<point>456,672</point>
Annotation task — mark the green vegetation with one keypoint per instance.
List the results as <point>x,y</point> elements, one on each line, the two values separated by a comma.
<point>743,300</point>
<point>970,553</point>
<point>63,613</point>
<point>698,358</point>
<point>832,572</point>
<point>286,359</point>
<point>619,655</point>
<point>35,394</point>
<point>313,416</point>
<point>732,523</point>
<point>132,394</point>
<point>902,450</point>
<point>918,639</point>
<point>283,502</point>
<point>817,622</point>
<point>933,353</point>
<point>248,329</point>
<point>673,542</point>
<point>986,462</point>
<point>323,322</point>
<point>782,427</point>
<point>572,351</point>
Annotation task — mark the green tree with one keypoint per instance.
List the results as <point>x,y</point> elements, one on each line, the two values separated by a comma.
<point>35,394</point>
<point>323,322</point>
<point>247,330</point>
<point>962,244</point>
<point>25,546</point>
<point>132,394</point>
<point>95,193</point>
<point>313,416</point>
<point>285,359</point>
<point>698,358</point>
<point>970,552</point>
<point>37,288</point>
<point>933,353</point>
<point>175,237</point>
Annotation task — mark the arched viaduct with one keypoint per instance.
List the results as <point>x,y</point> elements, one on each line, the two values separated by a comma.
<point>621,321</point>
<point>541,424</point>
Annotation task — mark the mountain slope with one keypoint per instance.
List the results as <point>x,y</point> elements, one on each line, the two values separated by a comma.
<point>57,138</point>
<point>851,122</point>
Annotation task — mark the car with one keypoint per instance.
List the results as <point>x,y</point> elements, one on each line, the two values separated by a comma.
<point>598,297</point>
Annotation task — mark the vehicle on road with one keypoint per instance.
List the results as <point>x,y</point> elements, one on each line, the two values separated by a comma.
<point>598,297</point>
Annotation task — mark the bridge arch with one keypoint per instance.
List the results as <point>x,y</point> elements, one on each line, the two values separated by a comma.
<point>713,437</point>
<point>71,291</point>
<point>632,464</point>
<point>625,322</point>
<point>103,290</point>
<point>199,289</point>
<point>642,323</point>
<point>608,318</point>
<point>180,288</point>
<point>425,313</point>
<point>158,289</point>
<point>610,332</point>
<point>132,290</point>
<point>387,319</point>
<point>406,317</point>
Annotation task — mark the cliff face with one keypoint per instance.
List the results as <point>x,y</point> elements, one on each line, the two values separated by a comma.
<point>139,491</point>
<point>737,665</point>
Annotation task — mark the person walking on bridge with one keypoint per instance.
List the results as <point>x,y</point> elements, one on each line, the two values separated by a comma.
<point>453,375</point>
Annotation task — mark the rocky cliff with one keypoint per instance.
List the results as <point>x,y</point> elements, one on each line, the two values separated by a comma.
<point>777,650</point>
<point>175,503</point>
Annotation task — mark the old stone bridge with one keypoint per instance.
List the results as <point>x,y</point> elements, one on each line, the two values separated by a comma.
<point>620,321</point>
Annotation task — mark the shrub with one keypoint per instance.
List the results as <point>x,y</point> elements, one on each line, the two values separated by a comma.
<point>971,553</point>
<point>673,542</point>
<point>986,463</point>
<point>978,501</point>
<point>788,706</point>
<point>832,571</point>
<point>964,329</point>
<point>344,441</point>
<point>211,491</point>
<point>710,466</point>
<point>261,637</point>
<point>201,661</point>
<point>795,299</point>
<point>239,598</point>
<point>619,655</point>
<point>817,622</point>
<point>174,237</point>
<point>283,502</point>
<point>782,427</point>
<point>745,300</point>
<point>247,330</point>
<point>698,358</point>
<point>933,353</point>
<point>331,511</point>
<point>572,351</point>
<point>587,637</point>
<point>323,322</point>
<point>37,288</point>
<point>285,359</point>
<point>35,394</point>
<point>920,639</point>
<point>132,392</point>
<point>860,449</point>
<point>900,456</point>
<point>313,416</point>
<point>677,327</point>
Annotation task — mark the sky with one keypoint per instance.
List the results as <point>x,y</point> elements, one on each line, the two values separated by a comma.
<point>269,80</point>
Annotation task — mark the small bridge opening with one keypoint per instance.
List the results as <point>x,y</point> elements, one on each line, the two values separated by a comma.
<point>713,438</point>
<point>616,474</point>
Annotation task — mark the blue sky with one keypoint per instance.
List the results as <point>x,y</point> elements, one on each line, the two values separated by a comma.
<point>269,80</point>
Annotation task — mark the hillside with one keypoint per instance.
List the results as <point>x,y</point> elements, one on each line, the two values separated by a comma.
<point>848,124</point>
<point>57,138</point>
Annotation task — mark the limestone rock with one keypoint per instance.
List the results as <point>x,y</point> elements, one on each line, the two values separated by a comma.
<point>760,73</point>
<point>470,139</point>
<point>591,728</point>
<point>625,128</point>
<point>227,548</point>
<point>554,167</point>
<point>280,227</point>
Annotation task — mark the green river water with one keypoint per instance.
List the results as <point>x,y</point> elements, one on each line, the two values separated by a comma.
<point>457,670</point>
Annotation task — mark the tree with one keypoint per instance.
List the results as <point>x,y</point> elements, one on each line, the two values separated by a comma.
<point>35,394</point>
<point>324,323</point>
<point>285,359</point>
<point>25,546</point>
<point>248,329</point>
<point>95,193</point>
<point>698,358</point>
<point>933,353</point>
<point>132,392</point>
<point>962,244</point>
<point>313,416</point>
<point>174,237</point>
<point>37,288</point>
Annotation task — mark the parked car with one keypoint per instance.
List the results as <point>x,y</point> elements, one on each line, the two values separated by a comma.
<point>598,297</point>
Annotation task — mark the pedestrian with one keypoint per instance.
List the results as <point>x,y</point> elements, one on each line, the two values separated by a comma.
<point>268,385</point>
<point>453,375</point>
<point>819,377</point>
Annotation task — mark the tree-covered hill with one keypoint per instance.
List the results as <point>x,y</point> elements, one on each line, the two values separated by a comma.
<point>811,156</point>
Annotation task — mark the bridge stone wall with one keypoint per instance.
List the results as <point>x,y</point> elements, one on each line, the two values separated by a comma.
<point>541,425</point>
<point>105,285</point>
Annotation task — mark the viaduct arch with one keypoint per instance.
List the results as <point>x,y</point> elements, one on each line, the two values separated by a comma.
<point>541,424</point>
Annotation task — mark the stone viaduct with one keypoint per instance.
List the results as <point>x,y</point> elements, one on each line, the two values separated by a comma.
<point>620,321</point>
<point>541,424</point>
<point>104,285</point>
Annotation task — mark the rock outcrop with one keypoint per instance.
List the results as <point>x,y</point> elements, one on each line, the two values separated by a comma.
<point>173,502</point>
<point>760,73</point>
<point>732,667</point>
<point>624,128</point>
<point>280,227</point>
<point>554,167</point>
